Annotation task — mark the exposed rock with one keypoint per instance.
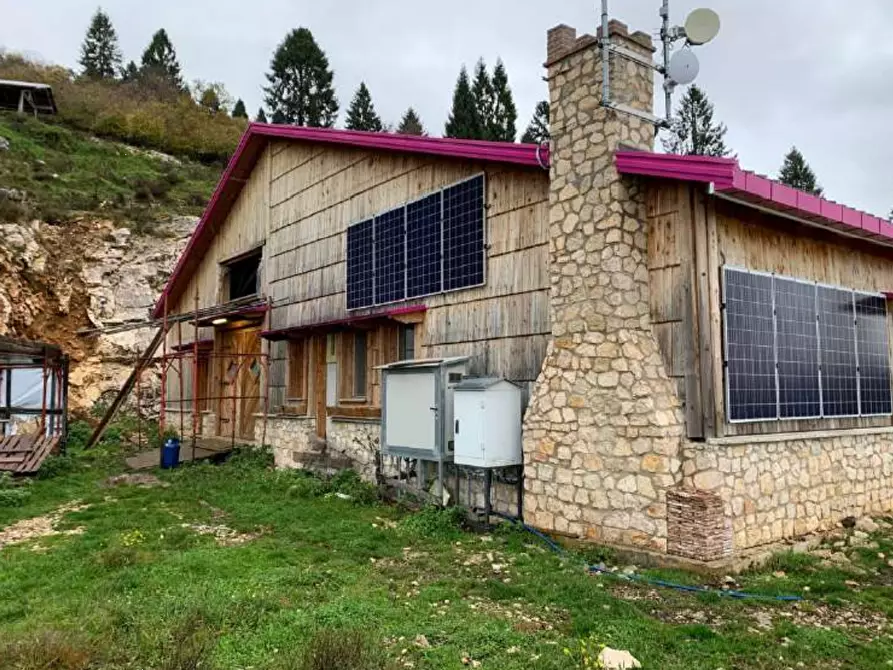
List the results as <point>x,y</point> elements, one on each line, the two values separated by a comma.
<point>616,659</point>
<point>4,144</point>
<point>867,525</point>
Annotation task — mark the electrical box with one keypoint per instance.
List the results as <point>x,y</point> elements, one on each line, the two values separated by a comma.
<point>487,423</point>
<point>417,407</point>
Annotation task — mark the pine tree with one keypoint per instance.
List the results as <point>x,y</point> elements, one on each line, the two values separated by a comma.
<point>361,114</point>
<point>100,55</point>
<point>694,132</point>
<point>484,100</point>
<point>300,90</point>
<point>504,113</point>
<point>538,130</point>
<point>261,116</point>
<point>130,73</point>
<point>463,121</point>
<point>160,60</point>
<point>795,172</point>
<point>239,110</point>
<point>411,124</point>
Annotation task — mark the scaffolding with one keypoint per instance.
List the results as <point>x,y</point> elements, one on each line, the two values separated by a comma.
<point>182,366</point>
<point>33,403</point>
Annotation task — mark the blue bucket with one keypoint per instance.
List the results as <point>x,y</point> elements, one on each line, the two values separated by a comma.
<point>170,453</point>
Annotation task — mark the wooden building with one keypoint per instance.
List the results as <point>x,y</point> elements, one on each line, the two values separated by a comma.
<point>368,248</point>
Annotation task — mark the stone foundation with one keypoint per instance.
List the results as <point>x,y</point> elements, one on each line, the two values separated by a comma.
<point>357,441</point>
<point>783,486</point>
<point>289,437</point>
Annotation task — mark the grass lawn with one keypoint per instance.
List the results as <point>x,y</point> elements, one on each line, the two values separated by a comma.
<point>240,566</point>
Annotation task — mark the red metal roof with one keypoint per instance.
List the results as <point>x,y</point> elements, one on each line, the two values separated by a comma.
<point>387,313</point>
<point>258,134</point>
<point>730,180</point>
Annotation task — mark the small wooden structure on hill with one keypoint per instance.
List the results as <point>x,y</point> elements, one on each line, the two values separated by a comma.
<point>33,403</point>
<point>27,97</point>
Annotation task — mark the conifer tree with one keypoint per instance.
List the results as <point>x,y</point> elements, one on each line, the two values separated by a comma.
<point>694,131</point>
<point>261,116</point>
<point>484,100</point>
<point>463,121</point>
<point>504,114</point>
<point>130,73</point>
<point>300,90</point>
<point>239,110</point>
<point>796,173</point>
<point>538,130</point>
<point>100,55</point>
<point>411,124</point>
<point>160,60</point>
<point>361,113</point>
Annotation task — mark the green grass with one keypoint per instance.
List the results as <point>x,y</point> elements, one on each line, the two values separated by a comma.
<point>66,173</point>
<point>371,586</point>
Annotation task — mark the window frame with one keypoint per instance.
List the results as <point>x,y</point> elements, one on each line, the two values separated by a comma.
<point>778,418</point>
<point>401,341</point>
<point>227,267</point>
<point>484,246</point>
<point>298,363</point>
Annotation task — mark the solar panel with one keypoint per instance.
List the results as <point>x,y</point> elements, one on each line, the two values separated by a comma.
<point>871,345</point>
<point>463,234</point>
<point>359,265</point>
<point>838,351</point>
<point>423,246</point>
<point>390,256</point>
<point>750,346</point>
<point>797,349</point>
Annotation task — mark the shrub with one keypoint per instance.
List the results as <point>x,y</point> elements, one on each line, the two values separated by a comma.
<point>56,465</point>
<point>49,650</point>
<point>13,493</point>
<point>435,522</point>
<point>78,434</point>
<point>336,648</point>
<point>349,482</point>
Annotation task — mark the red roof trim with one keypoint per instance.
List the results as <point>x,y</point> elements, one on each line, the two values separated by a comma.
<point>283,333</point>
<point>728,178</point>
<point>258,134</point>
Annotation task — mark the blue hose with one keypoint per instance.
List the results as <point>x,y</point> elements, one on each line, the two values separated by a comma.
<point>558,549</point>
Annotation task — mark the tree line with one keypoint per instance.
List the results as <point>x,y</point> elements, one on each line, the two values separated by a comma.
<point>300,91</point>
<point>300,88</point>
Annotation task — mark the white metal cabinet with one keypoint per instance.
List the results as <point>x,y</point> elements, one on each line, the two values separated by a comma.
<point>487,414</point>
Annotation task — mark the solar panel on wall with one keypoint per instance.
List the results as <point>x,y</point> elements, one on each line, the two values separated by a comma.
<point>750,347</point>
<point>423,246</point>
<point>871,343</point>
<point>838,337</point>
<point>390,256</point>
<point>463,234</point>
<point>797,347</point>
<point>359,265</point>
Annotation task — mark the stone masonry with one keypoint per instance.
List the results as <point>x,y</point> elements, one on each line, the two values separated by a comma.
<point>603,431</point>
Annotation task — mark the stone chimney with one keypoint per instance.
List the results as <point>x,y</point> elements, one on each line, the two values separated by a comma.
<point>604,427</point>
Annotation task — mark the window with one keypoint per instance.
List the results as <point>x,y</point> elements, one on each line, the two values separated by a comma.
<point>800,350</point>
<point>407,342</point>
<point>359,364</point>
<point>430,245</point>
<point>243,276</point>
<point>297,369</point>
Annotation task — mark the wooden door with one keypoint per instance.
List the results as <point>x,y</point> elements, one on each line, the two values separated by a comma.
<point>240,382</point>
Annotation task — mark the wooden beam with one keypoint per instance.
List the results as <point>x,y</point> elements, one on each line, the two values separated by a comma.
<point>354,412</point>
<point>687,221</point>
<point>702,300</point>
<point>714,270</point>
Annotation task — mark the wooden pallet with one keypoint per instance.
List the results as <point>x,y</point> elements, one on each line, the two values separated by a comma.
<point>24,454</point>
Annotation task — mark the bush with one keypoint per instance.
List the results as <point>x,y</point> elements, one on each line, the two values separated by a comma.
<point>56,465</point>
<point>335,648</point>
<point>49,650</point>
<point>13,493</point>
<point>78,434</point>
<point>435,522</point>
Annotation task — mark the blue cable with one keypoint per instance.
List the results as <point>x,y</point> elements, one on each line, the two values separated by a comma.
<point>558,549</point>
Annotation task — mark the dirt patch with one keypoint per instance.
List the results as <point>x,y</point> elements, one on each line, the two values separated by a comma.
<point>223,535</point>
<point>138,479</point>
<point>40,526</point>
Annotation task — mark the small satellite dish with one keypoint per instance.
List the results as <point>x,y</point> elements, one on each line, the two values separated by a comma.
<point>684,67</point>
<point>701,26</point>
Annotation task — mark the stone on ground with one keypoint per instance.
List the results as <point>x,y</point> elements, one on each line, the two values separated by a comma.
<point>616,659</point>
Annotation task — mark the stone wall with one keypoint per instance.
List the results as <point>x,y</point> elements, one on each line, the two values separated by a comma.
<point>289,437</point>
<point>603,430</point>
<point>787,485</point>
<point>357,441</point>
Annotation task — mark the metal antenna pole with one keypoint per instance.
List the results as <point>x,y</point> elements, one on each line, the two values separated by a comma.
<point>666,39</point>
<point>606,55</point>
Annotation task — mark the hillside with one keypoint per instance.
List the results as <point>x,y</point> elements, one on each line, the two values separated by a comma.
<point>65,174</point>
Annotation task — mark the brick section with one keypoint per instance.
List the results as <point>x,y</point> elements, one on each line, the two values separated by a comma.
<point>696,525</point>
<point>560,41</point>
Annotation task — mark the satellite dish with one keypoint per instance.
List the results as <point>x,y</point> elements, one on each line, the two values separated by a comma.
<point>684,67</point>
<point>701,26</point>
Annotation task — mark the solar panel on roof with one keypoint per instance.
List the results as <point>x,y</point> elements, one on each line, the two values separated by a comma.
<point>390,256</point>
<point>797,346</point>
<point>359,265</point>
<point>423,246</point>
<point>839,369</point>
<point>463,234</point>
<point>871,344</point>
<point>750,346</point>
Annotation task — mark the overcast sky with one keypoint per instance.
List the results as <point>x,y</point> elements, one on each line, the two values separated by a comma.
<point>814,73</point>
